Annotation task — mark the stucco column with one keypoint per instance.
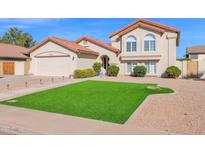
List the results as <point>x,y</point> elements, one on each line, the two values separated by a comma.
<point>171,48</point>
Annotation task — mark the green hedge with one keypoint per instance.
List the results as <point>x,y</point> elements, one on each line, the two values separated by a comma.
<point>173,72</point>
<point>97,67</point>
<point>139,71</point>
<point>84,73</point>
<point>113,70</point>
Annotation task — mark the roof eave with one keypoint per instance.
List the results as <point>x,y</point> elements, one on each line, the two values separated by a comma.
<point>88,39</point>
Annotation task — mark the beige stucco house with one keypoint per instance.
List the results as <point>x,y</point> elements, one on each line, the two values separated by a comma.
<point>142,42</point>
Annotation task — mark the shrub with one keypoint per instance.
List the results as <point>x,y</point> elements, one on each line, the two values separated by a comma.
<point>84,73</point>
<point>173,72</point>
<point>113,70</point>
<point>140,71</point>
<point>97,67</point>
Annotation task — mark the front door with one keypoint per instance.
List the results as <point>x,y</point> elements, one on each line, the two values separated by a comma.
<point>152,68</point>
<point>8,68</point>
<point>105,62</point>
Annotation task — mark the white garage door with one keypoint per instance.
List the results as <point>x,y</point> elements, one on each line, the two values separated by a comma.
<point>54,66</point>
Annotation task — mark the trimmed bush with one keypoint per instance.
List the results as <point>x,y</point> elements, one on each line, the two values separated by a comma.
<point>139,71</point>
<point>173,72</point>
<point>97,67</point>
<point>84,73</point>
<point>113,70</point>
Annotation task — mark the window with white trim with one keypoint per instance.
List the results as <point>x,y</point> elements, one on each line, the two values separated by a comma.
<point>130,67</point>
<point>131,44</point>
<point>149,43</point>
<point>151,68</point>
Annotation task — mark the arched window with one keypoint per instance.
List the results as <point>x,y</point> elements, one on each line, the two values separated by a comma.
<point>149,43</point>
<point>131,44</point>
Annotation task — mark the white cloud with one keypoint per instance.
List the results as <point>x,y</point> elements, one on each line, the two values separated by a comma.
<point>29,21</point>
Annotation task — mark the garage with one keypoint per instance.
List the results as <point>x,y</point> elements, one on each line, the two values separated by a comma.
<point>8,68</point>
<point>53,66</point>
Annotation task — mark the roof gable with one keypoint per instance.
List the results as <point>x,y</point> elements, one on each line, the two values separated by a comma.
<point>66,44</point>
<point>144,23</point>
<point>99,43</point>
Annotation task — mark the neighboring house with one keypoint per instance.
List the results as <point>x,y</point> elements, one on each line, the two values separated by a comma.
<point>13,60</point>
<point>197,53</point>
<point>142,42</point>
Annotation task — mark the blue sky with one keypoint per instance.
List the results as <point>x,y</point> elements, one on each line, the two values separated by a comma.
<point>192,30</point>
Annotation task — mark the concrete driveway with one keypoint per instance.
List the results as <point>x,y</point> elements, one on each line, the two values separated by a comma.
<point>182,112</point>
<point>15,82</point>
<point>12,86</point>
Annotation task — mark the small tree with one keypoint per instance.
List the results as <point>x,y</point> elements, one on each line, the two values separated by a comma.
<point>113,70</point>
<point>173,72</point>
<point>97,67</point>
<point>140,71</point>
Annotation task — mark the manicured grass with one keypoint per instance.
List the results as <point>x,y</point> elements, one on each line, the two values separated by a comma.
<point>101,100</point>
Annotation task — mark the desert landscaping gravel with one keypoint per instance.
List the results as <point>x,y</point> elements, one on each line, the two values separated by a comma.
<point>182,112</point>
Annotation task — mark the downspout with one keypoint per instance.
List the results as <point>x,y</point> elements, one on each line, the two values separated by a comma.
<point>168,51</point>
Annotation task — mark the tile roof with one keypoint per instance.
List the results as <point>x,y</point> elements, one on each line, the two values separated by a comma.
<point>196,49</point>
<point>66,44</point>
<point>12,51</point>
<point>98,42</point>
<point>159,30</point>
<point>155,26</point>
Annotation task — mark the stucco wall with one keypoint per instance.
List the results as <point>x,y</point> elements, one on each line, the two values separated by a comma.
<point>201,64</point>
<point>53,60</point>
<point>1,67</point>
<point>182,65</point>
<point>19,67</point>
<point>85,61</point>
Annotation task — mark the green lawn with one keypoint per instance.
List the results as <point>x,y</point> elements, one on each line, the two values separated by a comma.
<point>101,100</point>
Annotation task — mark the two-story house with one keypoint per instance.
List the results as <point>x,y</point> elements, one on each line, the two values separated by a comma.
<point>142,42</point>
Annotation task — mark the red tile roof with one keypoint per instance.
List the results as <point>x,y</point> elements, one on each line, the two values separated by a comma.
<point>196,49</point>
<point>12,51</point>
<point>159,30</point>
<point>98,42</point>
<point>66,44</point>
<point>155,26</point>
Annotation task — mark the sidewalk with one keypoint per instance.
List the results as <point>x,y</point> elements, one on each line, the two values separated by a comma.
<point>15,120</point>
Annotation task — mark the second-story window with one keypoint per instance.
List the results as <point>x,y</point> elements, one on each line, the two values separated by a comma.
<point>131,44</point>
<point>149,43</point>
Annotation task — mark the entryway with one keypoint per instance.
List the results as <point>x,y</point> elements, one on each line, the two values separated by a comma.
<point>105,62</point>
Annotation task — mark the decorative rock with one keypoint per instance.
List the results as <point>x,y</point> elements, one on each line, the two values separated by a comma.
<point>12,101</point>
<point>153,87</point>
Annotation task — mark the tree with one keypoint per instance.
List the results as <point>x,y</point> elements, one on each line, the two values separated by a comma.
<point>18,37</point>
